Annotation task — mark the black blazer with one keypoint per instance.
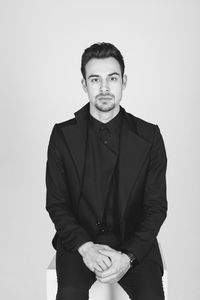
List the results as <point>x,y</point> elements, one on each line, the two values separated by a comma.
<point>142,185</point>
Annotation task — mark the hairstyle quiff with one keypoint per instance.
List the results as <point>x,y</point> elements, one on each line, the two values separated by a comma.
<point>101,50</point>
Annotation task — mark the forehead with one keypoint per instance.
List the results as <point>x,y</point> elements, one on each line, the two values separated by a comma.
<point>102,66</point>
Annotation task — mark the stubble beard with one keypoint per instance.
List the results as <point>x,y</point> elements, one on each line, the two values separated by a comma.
<point>104,105</point>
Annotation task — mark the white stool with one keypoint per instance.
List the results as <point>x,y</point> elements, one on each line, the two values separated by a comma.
<point>98,291</point>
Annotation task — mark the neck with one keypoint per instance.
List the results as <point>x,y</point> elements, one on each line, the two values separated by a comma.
<point>104,116</point>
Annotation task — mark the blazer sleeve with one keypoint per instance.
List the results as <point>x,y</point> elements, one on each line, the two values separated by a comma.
<point>58,202</point>
<point>154,206</point>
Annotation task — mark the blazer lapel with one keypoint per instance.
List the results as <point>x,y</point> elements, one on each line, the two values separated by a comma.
<point>76,138</point>
<point>133,152</point>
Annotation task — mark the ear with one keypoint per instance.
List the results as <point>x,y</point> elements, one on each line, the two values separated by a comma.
<point>84,85</point>
<point>124,81</point>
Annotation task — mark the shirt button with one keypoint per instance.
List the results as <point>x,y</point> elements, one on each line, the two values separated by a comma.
<point>105,142</point>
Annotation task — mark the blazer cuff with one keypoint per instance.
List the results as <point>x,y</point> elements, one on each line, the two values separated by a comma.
<point>131,255</point>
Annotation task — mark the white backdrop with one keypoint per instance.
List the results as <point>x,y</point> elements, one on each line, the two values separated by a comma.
<point>41,46</point>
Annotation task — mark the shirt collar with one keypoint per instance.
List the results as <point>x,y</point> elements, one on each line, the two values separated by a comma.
<point>113,125</point>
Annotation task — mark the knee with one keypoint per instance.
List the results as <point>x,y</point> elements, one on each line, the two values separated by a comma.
<point>72,293</point>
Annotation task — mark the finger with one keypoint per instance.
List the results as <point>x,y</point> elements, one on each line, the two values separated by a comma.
<point>108,272</point>
<point>106,252</point>
<point>104,262</point>
<point>102,247</point>
<point>97,268</point>
<point>107,261</point>
<point>110,279</point>
<point>106,247</point>
<point>103,266</point>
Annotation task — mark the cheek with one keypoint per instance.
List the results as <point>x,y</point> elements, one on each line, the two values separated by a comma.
<point>93,90</point>
<point>117,90</point>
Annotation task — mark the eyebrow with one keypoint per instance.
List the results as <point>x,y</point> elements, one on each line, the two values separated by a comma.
<point>93,75</point>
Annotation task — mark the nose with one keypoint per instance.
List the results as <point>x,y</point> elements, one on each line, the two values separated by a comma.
<point>104,86</point>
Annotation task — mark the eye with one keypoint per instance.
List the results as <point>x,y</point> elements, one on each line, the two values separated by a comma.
<point>94,80</point>
<point>113,78</point>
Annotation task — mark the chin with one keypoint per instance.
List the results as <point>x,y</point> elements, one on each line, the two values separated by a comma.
<point>105,108</point>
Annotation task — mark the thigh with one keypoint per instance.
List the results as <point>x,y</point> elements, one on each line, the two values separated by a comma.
<point>73,277</point>
<point>144,282</point>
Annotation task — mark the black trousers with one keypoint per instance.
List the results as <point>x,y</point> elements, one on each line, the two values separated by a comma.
<point>143,282</point>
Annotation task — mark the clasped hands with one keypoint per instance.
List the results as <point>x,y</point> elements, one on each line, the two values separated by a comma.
<point>108,264</point>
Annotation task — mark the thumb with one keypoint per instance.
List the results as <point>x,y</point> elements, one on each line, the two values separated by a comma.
<point>106,247</point>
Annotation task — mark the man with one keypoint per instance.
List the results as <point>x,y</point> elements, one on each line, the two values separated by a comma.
<point>106,188</point>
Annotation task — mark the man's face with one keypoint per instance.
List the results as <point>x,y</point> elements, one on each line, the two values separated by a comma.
<point>104,83</point>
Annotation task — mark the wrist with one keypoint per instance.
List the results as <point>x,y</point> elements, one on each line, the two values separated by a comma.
<point>83,249</point>
<point>131,256</point>
<point>127,258</point>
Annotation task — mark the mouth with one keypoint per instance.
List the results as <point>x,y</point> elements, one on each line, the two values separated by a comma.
<point>105,98</point>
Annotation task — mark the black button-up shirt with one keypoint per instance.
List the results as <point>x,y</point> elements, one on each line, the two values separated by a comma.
<point>101,173</point>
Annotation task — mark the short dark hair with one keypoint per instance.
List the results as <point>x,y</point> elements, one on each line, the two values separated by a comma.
<point>101,50</point>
